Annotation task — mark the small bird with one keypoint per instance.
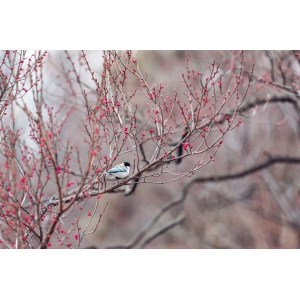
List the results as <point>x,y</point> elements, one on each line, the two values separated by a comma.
<point>120,171</point>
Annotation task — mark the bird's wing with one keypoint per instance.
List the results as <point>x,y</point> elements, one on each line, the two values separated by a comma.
<point>117,169</point>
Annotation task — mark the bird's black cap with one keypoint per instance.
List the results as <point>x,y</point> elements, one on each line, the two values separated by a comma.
<point>126,164</point>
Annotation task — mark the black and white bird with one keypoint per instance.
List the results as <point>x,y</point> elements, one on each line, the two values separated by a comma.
<point>120,171</point>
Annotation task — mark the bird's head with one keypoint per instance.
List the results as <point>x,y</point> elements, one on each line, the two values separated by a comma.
<point>127,164</point>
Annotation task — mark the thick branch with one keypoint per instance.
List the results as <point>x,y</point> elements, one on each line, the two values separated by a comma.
<point>271,161</point>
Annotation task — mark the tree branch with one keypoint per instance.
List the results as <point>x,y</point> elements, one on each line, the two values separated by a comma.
<point>271,161</point>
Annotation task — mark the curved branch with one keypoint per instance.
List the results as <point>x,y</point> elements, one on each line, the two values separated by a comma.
<point>163,230</point>
<point>271,161</point>
<point>274,99</point>
<point>150,225</point>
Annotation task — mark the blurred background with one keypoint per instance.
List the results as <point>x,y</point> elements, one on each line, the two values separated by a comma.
<point>258,210</point>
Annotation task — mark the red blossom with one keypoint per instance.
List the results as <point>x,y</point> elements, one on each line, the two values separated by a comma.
<point>185,145</point>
